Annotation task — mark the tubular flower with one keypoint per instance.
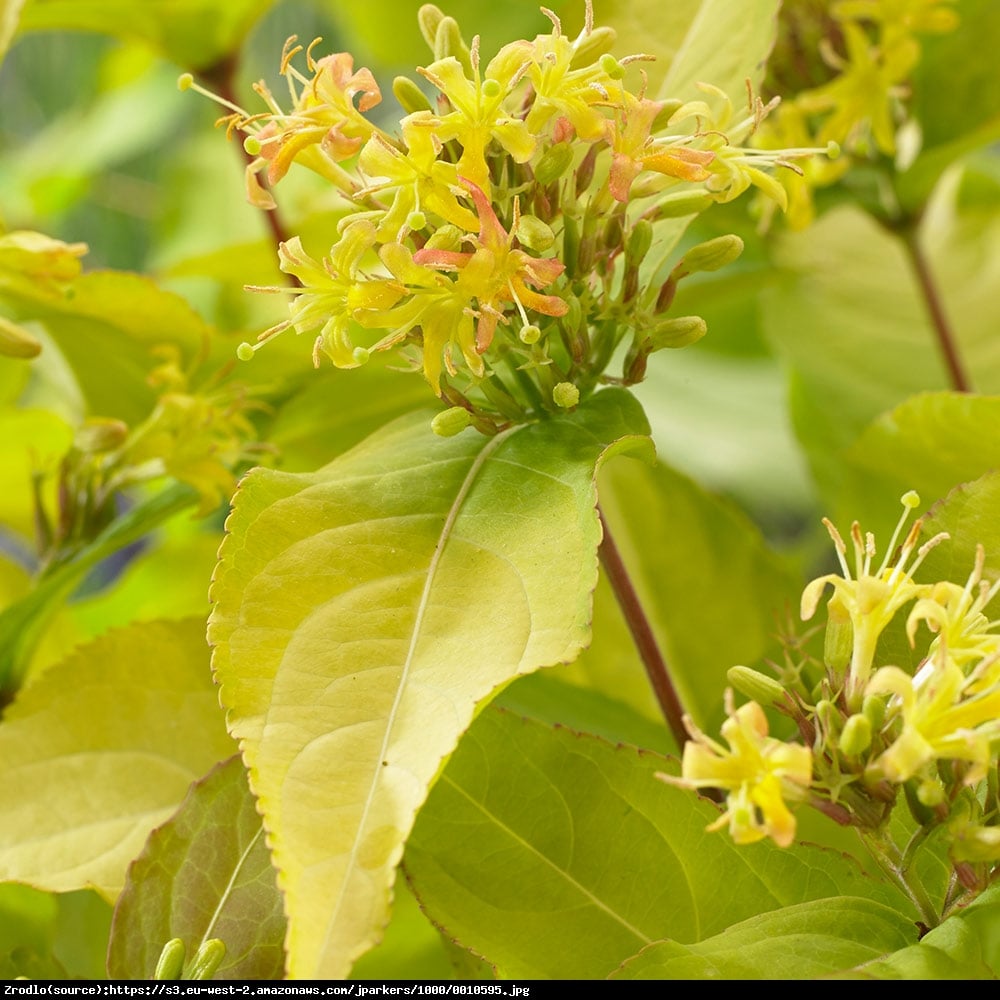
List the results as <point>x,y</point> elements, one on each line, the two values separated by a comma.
<point>478,116</point>
<point>332,294</point>
<point>495,273</point>
<point>943,718</point>
<point>633,149</point>
<point>869,600</point>
<point>566,90</point>
<point>757,771</point>
<point>323,126</point>
<point>421,181</point>
<point>956,615</point>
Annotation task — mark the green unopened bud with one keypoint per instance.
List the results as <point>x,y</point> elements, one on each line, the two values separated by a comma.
<point>553,163</point>
<point>16,342</point>
<point>245,351</point>
<point>585,172</point>
<point>711,255</point>
<point>613,233</point>
<point>874,709</point>
<point>756,686</point>
<point>428,18</point>
<point>678,332</point>
<point>446,237</point>
<point>535,234</point>
<point>449,42</point>
<point>571,244</point>
<point>170,964</point>
<point>566,395</point>
<point>206,963</point>
<point>611,66</point>
<point>450,422</point>
<point>681,203</point>
<point>856,736</point>
<point>100,434</point>
<point>592,46</point>
<point>639,240</point>
<point>838,645</point>
<point>529,334</point>
<point>411,98</point>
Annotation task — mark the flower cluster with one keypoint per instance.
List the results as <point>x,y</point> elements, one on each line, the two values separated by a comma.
<point>867,729</point>
<point>501,239</point>
<point>870,48</point>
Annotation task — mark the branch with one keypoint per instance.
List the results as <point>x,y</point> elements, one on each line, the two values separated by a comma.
<point>946,339</point>
<point>642,634</point>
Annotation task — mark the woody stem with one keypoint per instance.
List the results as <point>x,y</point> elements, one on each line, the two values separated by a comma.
<point>642,634</point>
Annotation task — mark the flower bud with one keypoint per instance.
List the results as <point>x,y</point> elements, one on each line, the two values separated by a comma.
<point>756,686</point>
<point>571,244</point>
<point>170,964</point>
<point>446,237</point>
<point>448,41</point>
<point>535,234</point>
<point>678,332</point>
<point>590,47</point>
<point>100,434</point>
<point>428,18</point>
<point>585,172</point>
<point>450,422</point>
<point>206,963</point>
<point>639,240</point>
<point>16,342</point>
<point>874,709</point>
<point>613,232</point>
<point>710,255</point>
<point>566,395</point>
<point>838,645</point>
<point>856,736</point>
<point>681,203</point>
<point>411,98</point>
<point>553,163</point>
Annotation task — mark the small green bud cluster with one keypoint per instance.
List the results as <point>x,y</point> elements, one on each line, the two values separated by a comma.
<point>204,965</point>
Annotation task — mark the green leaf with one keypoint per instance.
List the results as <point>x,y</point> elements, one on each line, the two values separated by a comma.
<point>556,855</point>
<point>711,588</point>
<point>23,623</point>
<point>193,33</point>
<point>851,321</point>
<point>10,11</point>
<point>100,749</point>
<point>965,946</point>
<point>362,612</point>
<point>206,873</point>
<point>799,942</point>
<point>721,42</point>
<point>969,515</point>
<point>930,443</point>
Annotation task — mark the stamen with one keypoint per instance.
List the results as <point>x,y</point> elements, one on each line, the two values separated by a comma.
<point>556,23</point>
<point>838,544</point>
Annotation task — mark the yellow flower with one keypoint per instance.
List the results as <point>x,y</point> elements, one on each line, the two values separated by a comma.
<point>956,614</point>
<point>757,771</point>
<point>944,717</point>
<point>869,600</point>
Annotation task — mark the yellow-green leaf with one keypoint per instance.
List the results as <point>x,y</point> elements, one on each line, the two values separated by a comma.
<point>362,613</point>
<point>100,749</point>
<point>206,873</point>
